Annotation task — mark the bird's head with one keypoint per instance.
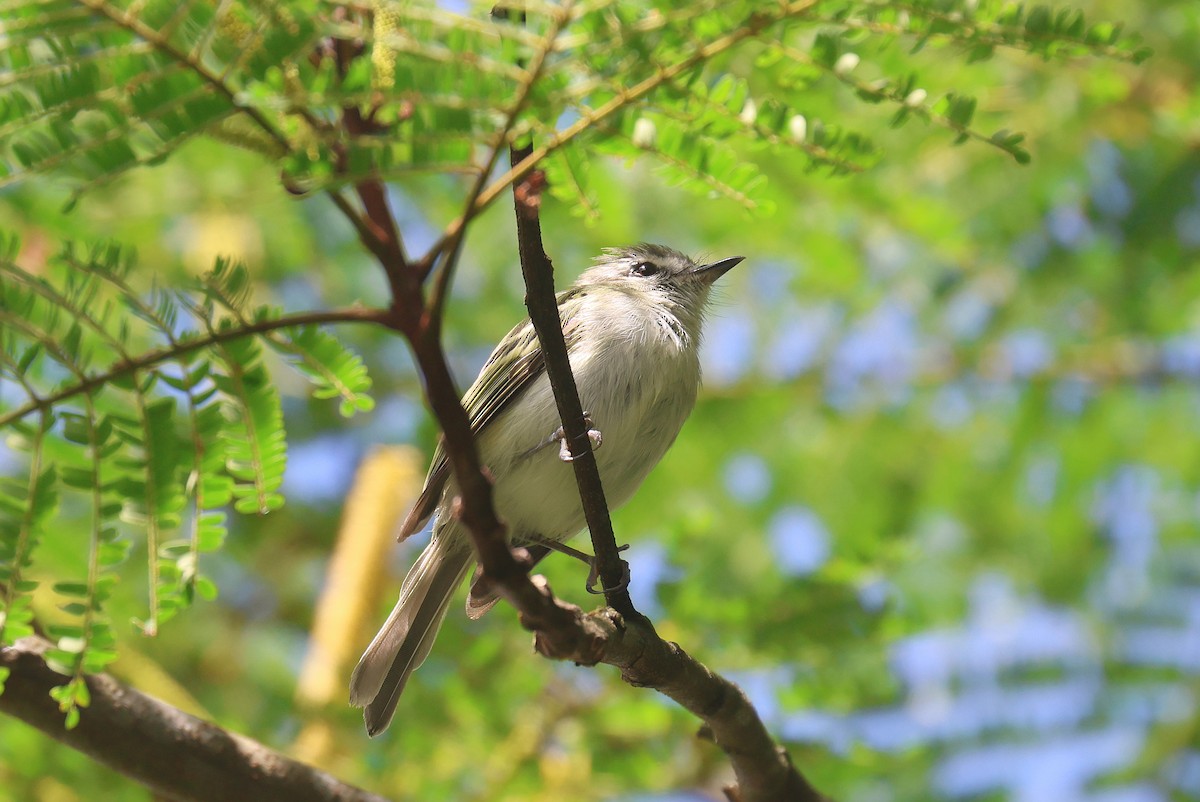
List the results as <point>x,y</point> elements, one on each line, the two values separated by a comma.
<point>658,271</point>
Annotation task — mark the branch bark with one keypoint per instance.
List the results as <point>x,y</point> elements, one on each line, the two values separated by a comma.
<point>763,769</point>
<point>177,756</point>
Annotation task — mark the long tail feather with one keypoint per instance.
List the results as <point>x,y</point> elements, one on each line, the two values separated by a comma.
<point>406,637</point>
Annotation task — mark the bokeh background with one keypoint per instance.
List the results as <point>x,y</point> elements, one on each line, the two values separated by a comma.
<point>936,510</point>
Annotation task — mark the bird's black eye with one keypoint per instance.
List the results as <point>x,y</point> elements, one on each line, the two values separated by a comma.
<point>643,269</point>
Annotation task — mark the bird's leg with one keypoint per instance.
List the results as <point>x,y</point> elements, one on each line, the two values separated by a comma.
<point>560,436</point>
<point>590,561</point>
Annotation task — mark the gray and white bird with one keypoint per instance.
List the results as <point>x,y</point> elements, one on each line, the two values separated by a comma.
<point>632,324</point>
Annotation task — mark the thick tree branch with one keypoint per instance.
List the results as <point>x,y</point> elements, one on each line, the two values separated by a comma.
<point>763,769</point>
<point>176,755</point>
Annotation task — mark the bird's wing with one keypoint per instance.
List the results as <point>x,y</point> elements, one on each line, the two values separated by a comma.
<point>501,380</point>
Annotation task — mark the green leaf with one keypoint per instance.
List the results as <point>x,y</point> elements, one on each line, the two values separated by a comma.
<point>335,371</point>
<point>256,452</point>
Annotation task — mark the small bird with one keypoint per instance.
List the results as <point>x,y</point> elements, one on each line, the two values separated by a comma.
<point>632,325</point>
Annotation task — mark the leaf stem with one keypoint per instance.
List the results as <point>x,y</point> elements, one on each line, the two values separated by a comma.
<point>86,383</point>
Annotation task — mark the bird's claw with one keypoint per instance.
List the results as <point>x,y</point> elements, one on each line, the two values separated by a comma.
<point>594,576</point>
<point>592,564</point>
<point>564,448</point>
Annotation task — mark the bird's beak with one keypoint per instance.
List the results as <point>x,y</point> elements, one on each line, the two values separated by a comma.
<point>711,272</point>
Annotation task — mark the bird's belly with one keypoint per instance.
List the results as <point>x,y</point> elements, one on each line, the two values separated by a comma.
<point>638,416</point>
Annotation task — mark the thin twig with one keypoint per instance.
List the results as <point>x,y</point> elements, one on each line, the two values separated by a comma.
<point>753,26</point>
<point>453,246</point>
<point>192,60</point>
<point>127,367</point>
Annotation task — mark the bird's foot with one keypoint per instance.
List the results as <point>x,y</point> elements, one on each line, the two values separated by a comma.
<point>559,436</point>
<point>590,561</point>
<point>594,577</point>
<point>564,448</point>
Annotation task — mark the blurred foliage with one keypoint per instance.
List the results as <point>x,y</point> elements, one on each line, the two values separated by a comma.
<point>936,508</point>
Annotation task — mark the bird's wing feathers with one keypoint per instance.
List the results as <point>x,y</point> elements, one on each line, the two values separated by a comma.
<point>501,380</point>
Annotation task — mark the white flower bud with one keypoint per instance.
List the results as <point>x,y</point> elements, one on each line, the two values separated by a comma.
<point>643,133</point>
<point>749,112</point>
<point>72,645</point>
<point>915,98</point>
<point>845,64</point>
<point>798,128</point>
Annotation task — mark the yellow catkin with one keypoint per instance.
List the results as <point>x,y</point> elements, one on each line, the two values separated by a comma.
<point>386,484</point>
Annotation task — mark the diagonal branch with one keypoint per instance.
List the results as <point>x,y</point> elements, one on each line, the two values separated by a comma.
<point>763,769</point>
<point>619,635</point>
<point>177,756</point>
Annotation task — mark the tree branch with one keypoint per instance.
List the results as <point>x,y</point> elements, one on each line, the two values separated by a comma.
<point>176,755</point>
<point>177,349</point>
<point>621,636</point>
<point>475,507</point>
<point>367,233</point>
<point>764,771</point>
<point>419,322</point>
<point>543,312</point>
<point>379,219</point>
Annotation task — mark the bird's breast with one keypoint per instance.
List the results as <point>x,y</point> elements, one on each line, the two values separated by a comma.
<point>638,394</point>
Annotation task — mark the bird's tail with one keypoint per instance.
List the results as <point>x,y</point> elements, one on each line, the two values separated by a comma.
<point>406,637</point>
